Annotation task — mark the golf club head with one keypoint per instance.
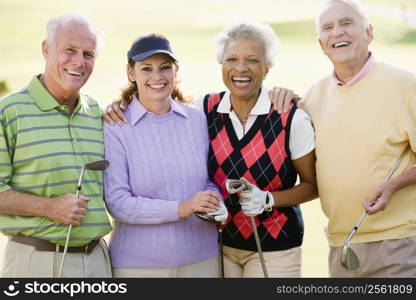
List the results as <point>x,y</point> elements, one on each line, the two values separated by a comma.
<point>97,165</point>
<point>234,185</point>
<point>349,259</point>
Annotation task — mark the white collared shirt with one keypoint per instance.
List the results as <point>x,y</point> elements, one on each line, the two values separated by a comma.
<point>302,134</point>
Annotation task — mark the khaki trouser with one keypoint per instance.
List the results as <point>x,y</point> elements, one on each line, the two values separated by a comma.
<point>242,263</point>
<point>25,261</point>
<point>388,258</point>
<point>208,269</point>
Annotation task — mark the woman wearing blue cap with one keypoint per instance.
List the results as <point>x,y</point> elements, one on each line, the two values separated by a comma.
<point>158,175</point>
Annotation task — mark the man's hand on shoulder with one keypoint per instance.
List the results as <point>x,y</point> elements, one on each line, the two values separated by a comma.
<point>282,97</point>
<point>114,112</point>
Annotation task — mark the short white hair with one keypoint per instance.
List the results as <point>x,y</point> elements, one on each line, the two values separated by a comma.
<point>63,20</point>
<point>354,4</point>
<point>248,29</point>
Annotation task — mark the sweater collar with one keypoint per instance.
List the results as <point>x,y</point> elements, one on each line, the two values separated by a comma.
<point>137,111</point>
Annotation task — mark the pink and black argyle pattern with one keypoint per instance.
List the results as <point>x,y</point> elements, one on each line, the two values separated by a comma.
<point>262,156</point>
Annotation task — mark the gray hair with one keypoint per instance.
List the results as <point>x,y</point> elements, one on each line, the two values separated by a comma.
<point>67,18</point>
<point>354,4</point>
<point>248,29</point>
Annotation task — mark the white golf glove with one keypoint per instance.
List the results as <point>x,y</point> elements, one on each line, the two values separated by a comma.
<point>221,214</point>
<point>254,201</point>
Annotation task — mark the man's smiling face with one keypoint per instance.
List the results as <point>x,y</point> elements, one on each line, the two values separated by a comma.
<point>69,59</point>
<point>343,35</point>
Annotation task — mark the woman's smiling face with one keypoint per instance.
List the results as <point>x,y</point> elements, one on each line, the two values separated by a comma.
<point>244,67</point>
<point>155,77</point>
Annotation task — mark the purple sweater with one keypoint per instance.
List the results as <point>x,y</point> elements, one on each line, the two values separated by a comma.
<point>157,161</point>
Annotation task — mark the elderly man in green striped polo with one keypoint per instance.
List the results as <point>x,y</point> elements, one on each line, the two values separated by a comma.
<point>48,132</point>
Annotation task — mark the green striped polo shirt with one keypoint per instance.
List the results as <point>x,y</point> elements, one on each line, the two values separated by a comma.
<point>42,151</point>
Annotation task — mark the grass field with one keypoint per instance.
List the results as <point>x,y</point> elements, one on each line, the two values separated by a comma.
<point>191,26</point>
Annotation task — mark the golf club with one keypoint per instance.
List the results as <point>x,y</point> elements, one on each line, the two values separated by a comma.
<point>233,186</point>
<point>211,218</point>
<point>221,252</point>
<point>97,165</point>
<point>349,260</point>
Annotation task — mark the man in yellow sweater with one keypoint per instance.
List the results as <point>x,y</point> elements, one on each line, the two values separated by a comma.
<point>364,115</point>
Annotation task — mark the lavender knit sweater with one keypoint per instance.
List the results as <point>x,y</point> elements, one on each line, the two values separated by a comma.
<point>157,161</point>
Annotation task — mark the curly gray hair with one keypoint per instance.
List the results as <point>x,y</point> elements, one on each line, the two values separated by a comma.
<point>248,29</point>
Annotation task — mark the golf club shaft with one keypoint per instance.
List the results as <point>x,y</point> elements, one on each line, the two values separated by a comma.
<point>347,252</point>
<point>354,230</point>
<point>65,250</point>
<point>259,250</point>
<point>69,230</point>
<point>97,165</point>
<point>364,214</point>
<point>221,253</point>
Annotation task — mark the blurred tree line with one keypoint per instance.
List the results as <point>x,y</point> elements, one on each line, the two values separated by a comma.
<point>3,87</point>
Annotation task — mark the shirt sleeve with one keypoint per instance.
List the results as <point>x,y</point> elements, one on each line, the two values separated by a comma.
<point>302,135</point>
<point>121,203</point>
<point>5,161</point>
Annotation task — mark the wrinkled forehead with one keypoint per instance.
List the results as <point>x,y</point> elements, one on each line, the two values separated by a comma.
<point>76,35</point>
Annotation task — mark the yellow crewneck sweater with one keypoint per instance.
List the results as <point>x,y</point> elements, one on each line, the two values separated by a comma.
<point>361,130</point>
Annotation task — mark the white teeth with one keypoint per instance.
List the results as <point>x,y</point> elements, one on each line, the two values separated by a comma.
<point>341,44</point>
<point>74,73</point>
<point>241,78</point>
<point>156,86</point>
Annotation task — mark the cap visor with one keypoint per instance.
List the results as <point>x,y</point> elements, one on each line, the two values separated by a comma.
<point>142,56</point>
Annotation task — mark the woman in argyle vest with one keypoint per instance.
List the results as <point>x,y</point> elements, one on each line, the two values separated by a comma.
<point>250,140</point>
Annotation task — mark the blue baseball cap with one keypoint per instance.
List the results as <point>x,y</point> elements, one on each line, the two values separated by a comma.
<point>148,46</point>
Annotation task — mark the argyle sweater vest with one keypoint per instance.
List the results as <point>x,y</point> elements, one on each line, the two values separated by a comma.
<point>262,156</point>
